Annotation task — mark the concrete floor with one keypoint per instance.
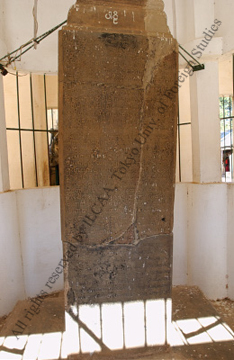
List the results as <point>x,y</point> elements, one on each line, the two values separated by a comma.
<point>197,332</point>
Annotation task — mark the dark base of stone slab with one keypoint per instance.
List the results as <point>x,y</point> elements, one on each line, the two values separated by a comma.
<point>119,273</point>
<point>138,353</point>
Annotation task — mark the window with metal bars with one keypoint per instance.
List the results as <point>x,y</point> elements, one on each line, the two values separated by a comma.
<point>226,137</point>
<point>184,136</point>
<point>32,129</point>
<point>31,108</point>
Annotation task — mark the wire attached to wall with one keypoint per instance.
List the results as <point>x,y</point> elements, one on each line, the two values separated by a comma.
<point>13,56</point>
<point>35,22</point>
<point>9,59</point>
<point>195,65</point>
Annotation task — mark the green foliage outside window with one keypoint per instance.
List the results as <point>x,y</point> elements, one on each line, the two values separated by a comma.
<point>225,110</point>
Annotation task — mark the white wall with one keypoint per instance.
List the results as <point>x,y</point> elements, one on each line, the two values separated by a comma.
<point>203,241</point>
<point>203,238</point>
<point>207,238</point>
<point>185,132</point>
<point>39,227</point>
<point>18,28</point>
<point>226,76</point>
<point>11,269</point>
<point>224,10</point>
<point>204,95</point>
<point>230,242</point>
<point>31,244</point>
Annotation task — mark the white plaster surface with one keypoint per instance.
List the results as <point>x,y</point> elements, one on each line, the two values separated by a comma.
<point>226,76</point>
<point>204,95</point>
<point>18,29</point>
<point>230,241</point>
<point>224,10</point>
<point>207,238</point>
<point>203,238</point>
<point>11,267</point>
<point>39,225</point>
<point>31,243</point>
<point>204,16</point>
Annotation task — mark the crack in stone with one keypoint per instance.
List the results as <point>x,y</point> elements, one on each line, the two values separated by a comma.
<point>114,245</point>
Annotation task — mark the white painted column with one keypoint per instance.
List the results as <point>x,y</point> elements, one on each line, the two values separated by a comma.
<point>207,238</point>
<point>230,240</point>
<point>204,93</point>
<point>204,15</point>
<point>4,171</point>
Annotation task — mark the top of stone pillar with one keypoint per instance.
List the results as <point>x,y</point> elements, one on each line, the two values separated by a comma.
<point>154,3</point>
<point>120,16</point>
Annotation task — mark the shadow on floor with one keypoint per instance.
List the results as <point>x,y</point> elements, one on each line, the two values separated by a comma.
<point>197,332</point>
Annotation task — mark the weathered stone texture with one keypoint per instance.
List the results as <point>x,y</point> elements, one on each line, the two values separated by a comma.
<point>121,273</point>
<point>105,106</point>
<point>118,111</point>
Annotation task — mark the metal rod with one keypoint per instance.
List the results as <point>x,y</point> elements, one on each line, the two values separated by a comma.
<point>19,123</point>
<point>224,111</point>
<point>18,56</point>
<point>228,117</point>
<point>184,57</point>
<point>35,130</point>
<point>33,126</point>
<point>187,123</point>
<point>46,117</point>
<point>52,118</point>
<point>38,39</point>
<point>232,107</point>
<point>189,54</point>
<point>14,51</point>
<point>224,133</point>
<point>233,75</point>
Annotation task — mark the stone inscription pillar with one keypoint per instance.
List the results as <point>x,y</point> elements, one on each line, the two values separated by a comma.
<point>118,110</point>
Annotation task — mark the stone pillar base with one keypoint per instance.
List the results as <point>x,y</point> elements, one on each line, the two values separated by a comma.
<point>139,354</point>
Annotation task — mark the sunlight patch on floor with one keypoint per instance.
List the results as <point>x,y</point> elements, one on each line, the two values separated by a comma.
<point>116,326</point>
